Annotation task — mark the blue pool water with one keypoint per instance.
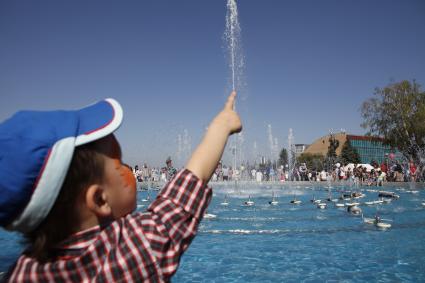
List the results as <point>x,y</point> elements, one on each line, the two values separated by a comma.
<point>293,243</point>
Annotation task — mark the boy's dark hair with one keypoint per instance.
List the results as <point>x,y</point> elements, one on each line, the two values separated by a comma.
<point>86,168</point>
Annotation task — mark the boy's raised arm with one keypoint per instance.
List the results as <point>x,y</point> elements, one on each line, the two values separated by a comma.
<point>206,156</point>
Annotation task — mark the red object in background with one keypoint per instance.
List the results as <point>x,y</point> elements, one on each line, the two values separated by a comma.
<point>384,167</point>
<point>412,168</point>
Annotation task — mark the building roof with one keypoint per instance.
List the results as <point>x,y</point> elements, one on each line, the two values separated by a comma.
<point>364,138</point>
<point>320,146</point>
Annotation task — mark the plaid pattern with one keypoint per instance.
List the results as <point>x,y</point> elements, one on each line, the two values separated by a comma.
<point>139,247</point>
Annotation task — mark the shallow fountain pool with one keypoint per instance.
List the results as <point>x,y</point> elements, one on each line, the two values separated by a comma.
<point>292,243</point>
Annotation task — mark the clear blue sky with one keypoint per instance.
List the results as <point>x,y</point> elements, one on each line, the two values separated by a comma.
<point>309,64</point>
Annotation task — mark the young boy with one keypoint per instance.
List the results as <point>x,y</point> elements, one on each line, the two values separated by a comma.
<point>63,185</point>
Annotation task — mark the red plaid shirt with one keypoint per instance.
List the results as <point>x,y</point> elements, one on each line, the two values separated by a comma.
<point>139,247</point>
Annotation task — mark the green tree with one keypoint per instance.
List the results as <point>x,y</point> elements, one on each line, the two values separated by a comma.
<point>349,154</point>
<point>283,157</point>
<point>397,113</point>
<point>331,156</point>
<point>313,161</point>
<point>333,145</point>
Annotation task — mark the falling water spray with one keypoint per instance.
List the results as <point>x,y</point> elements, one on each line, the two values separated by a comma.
<point>232,37</point>
<point>291,153</point>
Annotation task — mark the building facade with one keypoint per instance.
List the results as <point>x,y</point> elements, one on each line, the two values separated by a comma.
<point>369,148</point>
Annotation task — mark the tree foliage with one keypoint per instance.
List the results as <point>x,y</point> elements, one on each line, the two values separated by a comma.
<point>333,145</point>
<point>397,113</point>
<point>313,161</point>
<point>349,154</point>
<point>331,156</point>
<point>283,157</point>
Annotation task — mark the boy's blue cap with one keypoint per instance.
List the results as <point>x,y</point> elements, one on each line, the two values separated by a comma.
<point>36,149</point>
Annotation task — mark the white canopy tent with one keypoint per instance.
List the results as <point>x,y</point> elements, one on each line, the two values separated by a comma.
<point>350,167</point>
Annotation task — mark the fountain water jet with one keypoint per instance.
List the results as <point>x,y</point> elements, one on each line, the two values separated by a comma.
<point>184,147</point>
<point>291,153</point>
<point>273,144</point>
<point>232,36</point>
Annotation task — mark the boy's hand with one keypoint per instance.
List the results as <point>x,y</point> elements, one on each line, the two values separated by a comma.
<point>206,156</point>
<point>228,118</point>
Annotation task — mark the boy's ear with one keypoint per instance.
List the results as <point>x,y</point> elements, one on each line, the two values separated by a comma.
<point>97,201</point>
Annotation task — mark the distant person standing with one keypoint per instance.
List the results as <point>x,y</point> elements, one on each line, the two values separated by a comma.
<point>137,173</point>
<point>259,176</point>
<point>272,174</point>
<point>384,167</point>
<point>253,173</point>
<point>225,173</point>
<point>145,173</point>
<point>230,174</point>
<point>323,175</point>
<point>170,170</point>
<point>412,169</point>
<point>381,178</point>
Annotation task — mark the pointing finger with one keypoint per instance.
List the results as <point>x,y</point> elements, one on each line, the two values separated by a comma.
<point>230,101</point>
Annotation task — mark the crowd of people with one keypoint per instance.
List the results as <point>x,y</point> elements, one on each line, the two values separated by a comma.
<point>373,174</point>
<point>154,174</point>
<point>362,174</point>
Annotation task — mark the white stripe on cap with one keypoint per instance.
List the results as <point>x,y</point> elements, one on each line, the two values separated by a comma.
<point>108,129</point>
<point>48,187</point>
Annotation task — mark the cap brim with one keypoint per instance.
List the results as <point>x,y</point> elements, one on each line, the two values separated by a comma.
<point>98,121</point>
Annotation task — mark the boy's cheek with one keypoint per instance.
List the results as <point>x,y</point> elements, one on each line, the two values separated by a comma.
<point>129,179</point>
<point>126,175</point>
